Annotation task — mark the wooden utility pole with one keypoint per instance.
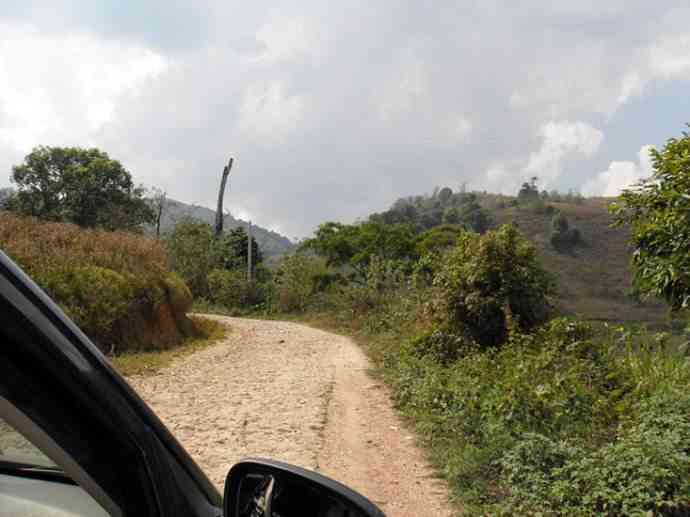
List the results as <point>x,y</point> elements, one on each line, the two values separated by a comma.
<point>221,194</point>
<point>249,252</point>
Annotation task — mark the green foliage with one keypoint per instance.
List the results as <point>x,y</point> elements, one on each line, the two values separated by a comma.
<point>298,280</point>
<point>529,191</point>
<point>353,246</point>
<point>646,471</point>
<point>658,212</point>
<point>562,237</point>
<point>97,277</point>
<point>231,289</point>
<point>437,240</point>
<point>441,207</point>
<point>231,250</point>
<point>486,281</point>
<point>81,186</point>
<point>557,422</point>
<point>189,247</point>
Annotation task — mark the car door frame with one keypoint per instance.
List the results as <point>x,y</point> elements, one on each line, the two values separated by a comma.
<point>54,375</point>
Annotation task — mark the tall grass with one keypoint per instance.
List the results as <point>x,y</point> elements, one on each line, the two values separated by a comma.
<point>99,278</point>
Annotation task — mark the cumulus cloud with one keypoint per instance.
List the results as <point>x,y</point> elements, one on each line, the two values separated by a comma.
<point>333,110</point>
<point>559,141</point>
<point>620,175</point>
<point>61,89</point>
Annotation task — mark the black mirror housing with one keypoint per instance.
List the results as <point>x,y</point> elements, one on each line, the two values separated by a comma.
<point>267,488</point>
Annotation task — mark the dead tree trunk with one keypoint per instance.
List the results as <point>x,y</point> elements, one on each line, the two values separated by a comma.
<point>221,194</point>
<point>249,252</point>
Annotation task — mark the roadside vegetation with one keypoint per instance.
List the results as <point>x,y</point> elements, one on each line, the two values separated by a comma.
<point>506,326</point>
<point>531,402</point>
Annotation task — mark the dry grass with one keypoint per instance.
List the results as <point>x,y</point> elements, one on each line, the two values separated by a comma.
<point>149,363</point>
<point>38,245</point>
<point>594,279</point>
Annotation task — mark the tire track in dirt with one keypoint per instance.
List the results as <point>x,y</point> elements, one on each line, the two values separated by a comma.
<point>296,394</point>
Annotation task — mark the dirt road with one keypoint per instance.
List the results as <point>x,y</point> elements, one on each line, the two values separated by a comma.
<point>300,395</point>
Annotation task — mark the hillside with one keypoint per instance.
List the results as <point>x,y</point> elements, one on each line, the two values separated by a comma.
<point>594,278</point>
<point>270,242</point>
<point>116,286</point>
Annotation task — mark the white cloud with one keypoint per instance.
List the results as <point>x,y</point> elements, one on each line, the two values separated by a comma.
<point>286,39</point>
<point>667,58</point>
<point>267,111</point>
<point>60,89</point>
<point>620,175</point>
<point>561,140</point>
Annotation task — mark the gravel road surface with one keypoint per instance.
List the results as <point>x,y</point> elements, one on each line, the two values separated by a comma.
<point>292,393</point>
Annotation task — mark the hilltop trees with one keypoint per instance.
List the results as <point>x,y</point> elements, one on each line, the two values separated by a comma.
<point>353,246</point>
<point>658,212</point>
<point>81,186</point>
<point>443,206</point>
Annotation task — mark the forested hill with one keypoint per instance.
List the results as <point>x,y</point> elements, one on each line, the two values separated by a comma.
<point>270,242</point>
<point>592,272</point>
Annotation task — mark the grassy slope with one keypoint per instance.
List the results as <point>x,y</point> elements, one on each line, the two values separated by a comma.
<point>99,278</point>
<point>593,280</point>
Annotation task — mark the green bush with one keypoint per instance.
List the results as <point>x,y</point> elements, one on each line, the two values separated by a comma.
<point>189,247</point>
<point>231,289</point>
<point>557,422</point>
<point>487,281</point>
<point>562,237</point>
<point>298,280</point>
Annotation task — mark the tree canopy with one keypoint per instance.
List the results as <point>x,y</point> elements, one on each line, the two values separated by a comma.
<point>355,245</point>
<point>487,280</point>
<point>658,212</point>
<point>81,186</point>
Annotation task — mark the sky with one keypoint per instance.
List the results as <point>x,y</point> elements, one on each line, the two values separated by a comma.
<point>333,110</point>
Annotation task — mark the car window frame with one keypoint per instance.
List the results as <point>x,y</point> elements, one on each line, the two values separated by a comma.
<point>159,475</point>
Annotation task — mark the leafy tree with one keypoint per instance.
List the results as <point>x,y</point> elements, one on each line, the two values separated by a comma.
<point>298,279</point>
<point>231,250</point>
<point>451,216</point>
<point>81,186</point>
<point>529,191</point>
<point>473,215</point>
<point>445,194</point>
<point>658,212</point>
<point>189,248</point>
<point>489,280</point>
<point>6,195</point>
<point>562,236</point>
<point>438,239</point>
<point>354,246</point>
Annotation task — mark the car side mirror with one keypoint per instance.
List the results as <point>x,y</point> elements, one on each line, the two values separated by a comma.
<point>266,488</point>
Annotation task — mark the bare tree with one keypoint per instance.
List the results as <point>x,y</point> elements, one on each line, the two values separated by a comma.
<point>159,201</point>
<point>221,194</point>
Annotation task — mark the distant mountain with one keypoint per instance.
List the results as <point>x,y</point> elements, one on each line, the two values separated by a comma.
<point>271,243</point>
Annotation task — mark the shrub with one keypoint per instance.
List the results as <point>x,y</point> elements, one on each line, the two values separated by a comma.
<point>298,279</point>
<point>488,280</point>
<point>97,277</point>
<point>559,421</point>
<point>189,248</point>
<point>562,237</point>
<point>231,289</point>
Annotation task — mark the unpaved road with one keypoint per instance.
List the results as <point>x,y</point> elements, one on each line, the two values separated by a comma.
<point>292,393</point>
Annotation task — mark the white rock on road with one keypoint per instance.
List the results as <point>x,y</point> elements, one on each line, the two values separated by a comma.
<point>300,395</point>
